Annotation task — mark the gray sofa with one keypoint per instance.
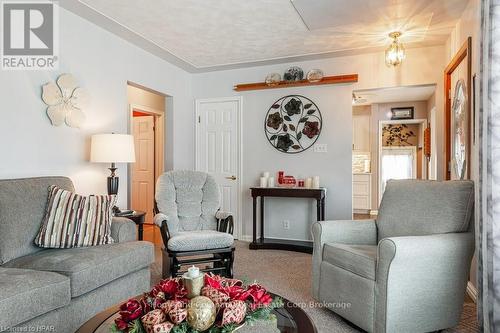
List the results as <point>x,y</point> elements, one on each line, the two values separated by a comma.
<point>59,289</point>
<point>407,271</point>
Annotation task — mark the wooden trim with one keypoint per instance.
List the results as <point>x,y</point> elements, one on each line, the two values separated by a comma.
<point>350,78</point>
<point>464,52</point>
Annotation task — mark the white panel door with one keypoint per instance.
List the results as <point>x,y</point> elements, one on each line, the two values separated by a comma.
<point>218,149</point>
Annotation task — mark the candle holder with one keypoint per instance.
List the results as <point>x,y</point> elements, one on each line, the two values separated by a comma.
<point>193,285</point>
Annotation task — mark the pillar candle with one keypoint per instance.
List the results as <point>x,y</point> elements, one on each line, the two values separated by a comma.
<point>308,182</point>
<point>193,272</point>
<point>270,182</point>
<point>315,183</point>
<point>265,174</point>
<point>263,182</point>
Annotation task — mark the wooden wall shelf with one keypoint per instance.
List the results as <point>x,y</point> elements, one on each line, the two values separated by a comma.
<point>302,83</point>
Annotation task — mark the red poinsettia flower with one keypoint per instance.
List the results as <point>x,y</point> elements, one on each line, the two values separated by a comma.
<point>236,293</point>
<point>259,296</point>
<point>171,289</point>
<point>121,324</point>
<point>131,310</point>
<point>213,281</point>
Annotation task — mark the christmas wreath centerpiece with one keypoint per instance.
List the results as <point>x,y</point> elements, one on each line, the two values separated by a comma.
<point>180,305</point>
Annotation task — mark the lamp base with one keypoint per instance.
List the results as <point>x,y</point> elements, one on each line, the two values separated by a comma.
<point>113,185</point>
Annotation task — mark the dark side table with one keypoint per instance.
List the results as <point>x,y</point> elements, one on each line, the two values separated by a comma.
<point>138,217</point>
<point>297,192</point>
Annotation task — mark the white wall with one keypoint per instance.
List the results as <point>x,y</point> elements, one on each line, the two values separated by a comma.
<point>422,66</point>
<point>102,63</point>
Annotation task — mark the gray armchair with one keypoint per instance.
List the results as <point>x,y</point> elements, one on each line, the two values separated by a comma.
<point>407,271</point>
<point>193,228</point>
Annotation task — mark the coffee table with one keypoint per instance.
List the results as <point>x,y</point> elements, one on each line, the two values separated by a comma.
<point>291,319</point>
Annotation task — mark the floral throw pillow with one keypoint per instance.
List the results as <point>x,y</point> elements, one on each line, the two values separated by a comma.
<point>73,220</point>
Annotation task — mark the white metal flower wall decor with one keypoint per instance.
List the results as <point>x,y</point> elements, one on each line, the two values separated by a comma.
<point>66,101</point>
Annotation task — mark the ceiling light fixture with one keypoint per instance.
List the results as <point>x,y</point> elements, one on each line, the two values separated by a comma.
<point>395,53</point>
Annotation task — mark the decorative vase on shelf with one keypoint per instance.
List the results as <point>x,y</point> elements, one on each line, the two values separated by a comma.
<point>315,75</point>
<point>273,79</point>
<point>293,73</point>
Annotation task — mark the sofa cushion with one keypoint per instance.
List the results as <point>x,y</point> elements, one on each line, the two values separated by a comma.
<point>357,259</point>
<point>26,294</point>
<point>425,207</point>
<point>90,267</point>
<point>22,207</point>
<point>200,240</point>
<point>73,220</point>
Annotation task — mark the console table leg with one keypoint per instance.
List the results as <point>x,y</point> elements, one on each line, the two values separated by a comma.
<point>318,209</point>
<point>254,220</point>
<point>262,218</point>
<point>323,209</point>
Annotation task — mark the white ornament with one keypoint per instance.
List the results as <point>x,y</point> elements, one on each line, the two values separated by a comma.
<point>65,101</point>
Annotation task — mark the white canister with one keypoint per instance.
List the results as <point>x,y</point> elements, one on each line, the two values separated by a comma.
<point>308,182</point>
<point>265,174</point>
<point>315,182</point>
<point>263,181</point>
<point>270,182</point>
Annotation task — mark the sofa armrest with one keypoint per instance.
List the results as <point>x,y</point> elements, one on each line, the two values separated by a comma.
<point>123,230</point>
<point>429,272</point>
<point>361,232</point>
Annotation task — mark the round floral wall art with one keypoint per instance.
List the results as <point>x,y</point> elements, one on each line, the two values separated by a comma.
<point>293,124</point>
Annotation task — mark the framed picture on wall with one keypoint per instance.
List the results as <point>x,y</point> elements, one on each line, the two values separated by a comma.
<point>402,113</point>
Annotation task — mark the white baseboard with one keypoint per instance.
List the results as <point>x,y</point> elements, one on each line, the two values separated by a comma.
<point>472,291</point>
<point>245,238</point>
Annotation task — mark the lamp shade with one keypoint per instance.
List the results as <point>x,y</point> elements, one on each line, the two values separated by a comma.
<point>112,148</point>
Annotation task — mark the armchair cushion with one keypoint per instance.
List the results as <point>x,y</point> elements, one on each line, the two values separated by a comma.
<point>423,207</point>
<point>189,200</point>
<point>199,240</point>
<point>357,259</point>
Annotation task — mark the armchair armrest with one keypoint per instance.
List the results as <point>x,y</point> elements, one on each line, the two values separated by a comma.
<point>225,222</point>
<point>362,232</point>
<point>430,272</point>
<point>123,230</point>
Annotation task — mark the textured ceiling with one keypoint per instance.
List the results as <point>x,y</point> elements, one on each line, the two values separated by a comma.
<point>207,34</point>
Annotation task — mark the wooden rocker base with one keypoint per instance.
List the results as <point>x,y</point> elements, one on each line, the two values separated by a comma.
<point>220,260</point>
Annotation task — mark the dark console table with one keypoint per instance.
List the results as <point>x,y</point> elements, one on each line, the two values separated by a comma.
<point>284,244</point>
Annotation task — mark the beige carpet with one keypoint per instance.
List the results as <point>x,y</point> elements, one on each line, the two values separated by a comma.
<point>289,274</point>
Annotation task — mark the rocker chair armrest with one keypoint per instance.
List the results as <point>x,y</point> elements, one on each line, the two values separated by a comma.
<point>225,222</point>
<point>160,220</point>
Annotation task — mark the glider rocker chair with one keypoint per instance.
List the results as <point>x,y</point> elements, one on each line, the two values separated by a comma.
<point>407,271</point>
<point>193,229</point>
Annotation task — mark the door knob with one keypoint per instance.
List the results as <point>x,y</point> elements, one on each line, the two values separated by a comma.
<point>232,177</point>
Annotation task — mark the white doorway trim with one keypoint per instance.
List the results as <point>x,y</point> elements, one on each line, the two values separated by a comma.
<point>381,123</point>
<point>238,228</point>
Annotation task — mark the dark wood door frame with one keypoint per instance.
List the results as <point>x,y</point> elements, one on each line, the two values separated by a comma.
<point>465,52</point>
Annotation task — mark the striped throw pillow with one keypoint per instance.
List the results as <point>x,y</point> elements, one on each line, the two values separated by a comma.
<point>73,220</point>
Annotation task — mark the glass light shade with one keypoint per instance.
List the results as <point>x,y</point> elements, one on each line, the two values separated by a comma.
<point>112,148</point>
<point>395,53</point>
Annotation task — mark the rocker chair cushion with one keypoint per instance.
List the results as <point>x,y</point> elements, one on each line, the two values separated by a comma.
<point>198,240</point>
